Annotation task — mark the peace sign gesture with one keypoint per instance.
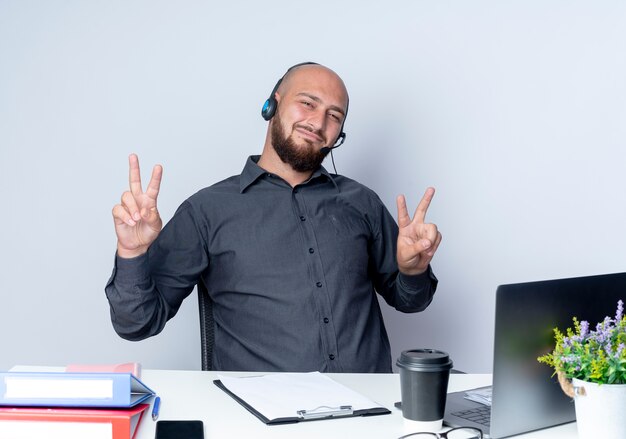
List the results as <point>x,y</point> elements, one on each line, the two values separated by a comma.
<point>137,220</point>
<point>417,240</point>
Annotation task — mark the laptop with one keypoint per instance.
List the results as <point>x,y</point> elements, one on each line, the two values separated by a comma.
<point>525,396</point>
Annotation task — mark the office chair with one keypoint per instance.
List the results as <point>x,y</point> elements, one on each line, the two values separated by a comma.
<point>207,328</point>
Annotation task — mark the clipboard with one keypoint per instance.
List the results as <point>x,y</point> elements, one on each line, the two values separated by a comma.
<point>295,397</point>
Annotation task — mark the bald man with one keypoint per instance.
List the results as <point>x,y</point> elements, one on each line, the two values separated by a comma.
<point>292,256</point>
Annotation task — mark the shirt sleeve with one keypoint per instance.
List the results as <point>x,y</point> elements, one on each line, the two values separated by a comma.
<point>146,291</point>
<point>403,292</point>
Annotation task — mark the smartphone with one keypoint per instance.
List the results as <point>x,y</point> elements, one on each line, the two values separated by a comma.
<point>179,430</point>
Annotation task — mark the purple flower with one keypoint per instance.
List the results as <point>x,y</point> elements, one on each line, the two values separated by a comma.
<point>608,349</point>
<point>620,311</point>
<point>584,329</point>
<point>603,332</point>
<point>569,359</point>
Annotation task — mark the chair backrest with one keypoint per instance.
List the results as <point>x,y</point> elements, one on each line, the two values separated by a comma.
<point>207,329</point>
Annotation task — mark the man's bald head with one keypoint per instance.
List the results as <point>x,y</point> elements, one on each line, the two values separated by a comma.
<point>315,75</point>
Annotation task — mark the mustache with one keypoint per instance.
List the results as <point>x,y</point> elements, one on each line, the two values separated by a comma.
<point>310,129</point>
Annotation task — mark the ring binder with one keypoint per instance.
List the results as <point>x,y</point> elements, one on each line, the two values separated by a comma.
<point>71,389</point>
<point>325,411</point>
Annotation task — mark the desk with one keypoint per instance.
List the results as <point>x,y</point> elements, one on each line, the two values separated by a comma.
<point>192,395</point>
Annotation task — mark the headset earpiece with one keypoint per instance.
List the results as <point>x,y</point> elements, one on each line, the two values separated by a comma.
<point>269,107</point>
<point>271,104</point>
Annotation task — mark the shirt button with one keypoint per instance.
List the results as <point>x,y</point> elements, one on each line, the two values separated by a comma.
<point>311,251</point>
<point>326,320</point>
<point>331,356</point>
<point>295,191</point>
<point>319,285</point>
<point>302,218</point>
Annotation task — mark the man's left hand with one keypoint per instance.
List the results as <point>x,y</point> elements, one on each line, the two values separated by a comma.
<point>417,240</point>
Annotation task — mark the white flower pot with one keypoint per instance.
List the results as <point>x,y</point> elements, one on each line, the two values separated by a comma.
<point>600,410</point>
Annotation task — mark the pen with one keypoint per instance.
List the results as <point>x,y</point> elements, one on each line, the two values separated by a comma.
<point>155,408</point>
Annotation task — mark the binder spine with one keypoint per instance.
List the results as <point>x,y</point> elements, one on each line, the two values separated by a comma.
<point>40,389</point>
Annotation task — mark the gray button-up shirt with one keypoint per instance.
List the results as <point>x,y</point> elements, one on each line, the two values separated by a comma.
<point>293,273</point>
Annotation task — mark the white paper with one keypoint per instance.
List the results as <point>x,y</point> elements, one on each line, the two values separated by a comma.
<point>283,395</point>
<point>55,430</point>
<point>482,395</point>
<point>18,387</point>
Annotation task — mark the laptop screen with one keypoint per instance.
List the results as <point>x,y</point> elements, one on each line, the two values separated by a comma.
<point>525,395</point>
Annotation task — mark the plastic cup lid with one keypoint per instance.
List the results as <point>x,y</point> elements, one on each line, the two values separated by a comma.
<point>427,360</point>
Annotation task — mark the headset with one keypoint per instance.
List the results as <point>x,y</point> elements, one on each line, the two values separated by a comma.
<point>271,105</point>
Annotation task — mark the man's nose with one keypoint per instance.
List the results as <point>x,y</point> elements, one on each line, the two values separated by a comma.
<point>317,120</point>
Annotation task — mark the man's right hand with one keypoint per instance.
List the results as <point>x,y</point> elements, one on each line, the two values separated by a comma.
<point>137,220</point>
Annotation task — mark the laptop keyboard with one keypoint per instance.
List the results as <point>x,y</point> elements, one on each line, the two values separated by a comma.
<point>480,415</point>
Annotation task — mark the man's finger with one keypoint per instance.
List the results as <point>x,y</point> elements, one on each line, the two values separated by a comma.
<point>155,182</point>
<point>422,208</point>
<point>431,251</point>
<point>134,175</point>
<point>429,232</point>
<point>121,216</point>
<point>152,218</point>
<point>130,204</point>
<point>403,213</point>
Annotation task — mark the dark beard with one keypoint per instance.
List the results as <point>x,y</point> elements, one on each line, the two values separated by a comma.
<point>301,159</point>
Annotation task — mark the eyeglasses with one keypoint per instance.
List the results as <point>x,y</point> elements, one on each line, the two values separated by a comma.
<point>455,433</point>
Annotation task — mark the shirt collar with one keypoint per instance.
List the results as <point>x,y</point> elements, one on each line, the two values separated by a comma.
<point>252,171</point>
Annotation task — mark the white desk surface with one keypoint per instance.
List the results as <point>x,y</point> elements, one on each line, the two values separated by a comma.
<point>192,395</point>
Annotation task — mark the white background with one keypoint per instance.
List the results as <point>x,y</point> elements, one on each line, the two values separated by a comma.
<point>514,110</point>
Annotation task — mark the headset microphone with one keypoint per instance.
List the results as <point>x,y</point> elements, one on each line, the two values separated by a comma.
<point>338,143</point>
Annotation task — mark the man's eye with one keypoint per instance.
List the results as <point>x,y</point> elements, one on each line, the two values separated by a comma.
<point>307,103</point>
<point>335,117</point>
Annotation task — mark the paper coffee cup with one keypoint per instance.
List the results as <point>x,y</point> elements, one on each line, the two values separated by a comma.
<point>424,376</point>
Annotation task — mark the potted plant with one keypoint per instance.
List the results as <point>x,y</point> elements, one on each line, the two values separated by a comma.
<point>591,366</point>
